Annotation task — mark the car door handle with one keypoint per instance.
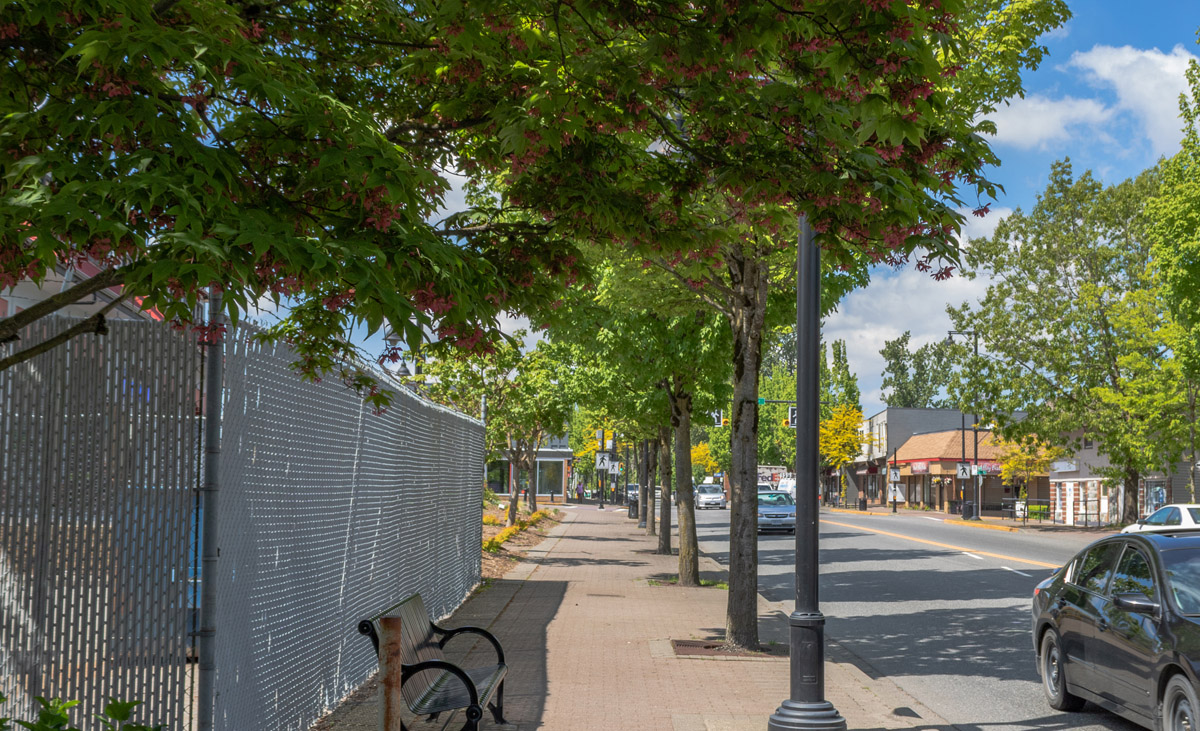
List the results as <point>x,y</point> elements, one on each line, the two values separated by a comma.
<point>1061,602</point>
<point>1102,625</point>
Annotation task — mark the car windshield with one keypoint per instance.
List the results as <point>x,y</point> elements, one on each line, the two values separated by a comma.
<point>707,490</point>
<point>1183,578</point>
<point>775,498</point>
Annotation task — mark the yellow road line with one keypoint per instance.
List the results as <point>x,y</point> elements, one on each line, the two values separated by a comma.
<point>945,545</point>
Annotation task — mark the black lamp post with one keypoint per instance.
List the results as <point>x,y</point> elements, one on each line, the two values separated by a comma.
<point>974,431</point>
<point>806,708</point>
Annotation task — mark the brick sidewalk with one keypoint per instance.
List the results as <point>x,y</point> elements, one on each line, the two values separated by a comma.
<point>587,639</point>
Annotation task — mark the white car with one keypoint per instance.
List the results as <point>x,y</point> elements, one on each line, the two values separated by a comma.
<point>710,496</point>
<point>1168,517</point>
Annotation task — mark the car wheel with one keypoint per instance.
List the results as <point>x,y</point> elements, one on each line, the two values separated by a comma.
<point>1179,708</point>
<point>1054,675</point>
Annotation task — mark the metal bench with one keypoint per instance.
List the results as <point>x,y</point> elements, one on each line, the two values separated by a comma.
<point>429,683</point>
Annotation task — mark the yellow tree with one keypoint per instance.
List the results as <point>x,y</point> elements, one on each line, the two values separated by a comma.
<point>1021,461</point>
<point>702,460</point>
<point>842,439</point>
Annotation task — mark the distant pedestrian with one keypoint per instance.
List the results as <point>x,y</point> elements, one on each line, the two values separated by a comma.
<point>579,492</point>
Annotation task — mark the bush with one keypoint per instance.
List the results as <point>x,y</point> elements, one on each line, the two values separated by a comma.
<point>491,520</point>
<point>52,716</point>
<point>492,545</point>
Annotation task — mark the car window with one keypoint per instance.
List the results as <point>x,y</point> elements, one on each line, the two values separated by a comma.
<point>708,491</point>
<point>1097,566</point>
<point>1158,517</point>
<point>1195,513</point>
<point>1182,567</point>
<point>1133,575</point>
<point>774,498</point>
<point>1173,517</point>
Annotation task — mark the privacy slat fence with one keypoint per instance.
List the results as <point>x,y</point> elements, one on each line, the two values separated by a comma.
<point>328,512</point>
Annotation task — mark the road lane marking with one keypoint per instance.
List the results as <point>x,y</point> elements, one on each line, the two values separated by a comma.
<point>942,545</point>
<point>939,520</point>
<point>977,558</point>
<point>1022,573</point>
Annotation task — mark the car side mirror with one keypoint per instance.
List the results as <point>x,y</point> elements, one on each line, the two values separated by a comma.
<point>1141,521</point>
<point>1135,602</point>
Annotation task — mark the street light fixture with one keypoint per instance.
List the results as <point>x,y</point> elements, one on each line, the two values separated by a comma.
<point>806,707</point>
<point>974,429</point>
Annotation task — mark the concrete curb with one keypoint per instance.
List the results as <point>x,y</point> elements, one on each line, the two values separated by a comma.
<point>872,513</point>
<point>979,524</point>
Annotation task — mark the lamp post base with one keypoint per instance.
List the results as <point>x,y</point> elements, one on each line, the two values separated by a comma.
<point>808,716</point>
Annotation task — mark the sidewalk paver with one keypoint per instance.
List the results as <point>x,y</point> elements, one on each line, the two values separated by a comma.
<point>587,638</point>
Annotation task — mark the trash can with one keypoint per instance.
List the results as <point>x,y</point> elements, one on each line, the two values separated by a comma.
<point>968,510</point>
<point>862,502</point>
<point>633,506</point>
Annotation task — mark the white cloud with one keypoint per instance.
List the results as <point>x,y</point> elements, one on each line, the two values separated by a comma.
<point>896,301</point>
<point>1038,121</point>
<point>1147,84</point>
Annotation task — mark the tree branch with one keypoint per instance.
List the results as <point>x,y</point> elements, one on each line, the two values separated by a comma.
<point>93,324</point>
<point>13,324</point>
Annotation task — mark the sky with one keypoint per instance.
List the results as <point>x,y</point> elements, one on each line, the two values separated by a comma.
<point>1106,97</point>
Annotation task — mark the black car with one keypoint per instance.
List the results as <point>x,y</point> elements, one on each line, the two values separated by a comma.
<point>1119,625</point>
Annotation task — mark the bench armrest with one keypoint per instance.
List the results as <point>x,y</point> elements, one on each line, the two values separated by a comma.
<point>407,671</point>
<point>449,633</point>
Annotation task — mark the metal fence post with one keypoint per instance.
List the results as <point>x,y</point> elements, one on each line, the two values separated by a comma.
<point>214,391</point>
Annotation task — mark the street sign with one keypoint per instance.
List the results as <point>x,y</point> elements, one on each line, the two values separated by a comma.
<point>893,475</point>
<point>964,471</point>
<point>604,462</point>
<point>613,468</point>
<point>762,402</point>
<point>792,416</point>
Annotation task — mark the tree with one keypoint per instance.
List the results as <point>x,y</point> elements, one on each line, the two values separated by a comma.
<point>1025,460</point>
<point>843,385</point>
<point>841,440</point>
<point>1071,327</point>
<point>527,400</point>
<point>916,379</point>
<point>1173,214</point>
<point>702,461</point>
<point>171,149</point>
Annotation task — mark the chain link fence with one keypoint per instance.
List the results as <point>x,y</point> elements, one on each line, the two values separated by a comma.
<point>328,513</point>
<point>97,486</point>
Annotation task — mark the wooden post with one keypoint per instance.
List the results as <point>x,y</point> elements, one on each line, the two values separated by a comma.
<point>390,700</point>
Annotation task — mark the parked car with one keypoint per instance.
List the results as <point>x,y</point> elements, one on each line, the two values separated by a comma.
<point>1168,517</point>
<point>1119,625</point>
<point>710,496</point>
<point>776,511</point>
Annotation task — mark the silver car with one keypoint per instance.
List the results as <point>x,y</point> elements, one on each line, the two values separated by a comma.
<point>776,511</point>
<point>710,496</point>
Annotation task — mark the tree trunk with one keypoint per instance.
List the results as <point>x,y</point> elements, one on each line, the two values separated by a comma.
<point>748,277</point>
<point>1191,401</point>
<point>689,551</point>
<point>531,466</point>
<point>1130,514</point>
<point>664,468</point>
<point>514,480</point>
<point>643,480</point>
<point>651,518</point>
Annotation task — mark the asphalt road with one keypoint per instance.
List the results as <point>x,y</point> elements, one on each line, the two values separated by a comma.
<point>941,610</point>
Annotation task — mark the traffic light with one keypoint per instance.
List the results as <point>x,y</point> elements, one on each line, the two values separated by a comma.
<point>787,422</point>
<point>724,421</point>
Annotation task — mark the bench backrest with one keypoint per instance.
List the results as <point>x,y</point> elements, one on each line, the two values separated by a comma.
<point>417,644</point>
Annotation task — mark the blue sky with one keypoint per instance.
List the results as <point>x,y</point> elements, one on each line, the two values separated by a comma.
<point>1106,97</point>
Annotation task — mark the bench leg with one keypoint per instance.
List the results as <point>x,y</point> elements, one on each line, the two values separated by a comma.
<point>497,705</point>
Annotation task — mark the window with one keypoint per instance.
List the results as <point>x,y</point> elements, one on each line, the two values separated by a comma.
<point>1133,575</point>
<point>1087,443</point>
<point>1163,517</point>
<point>1097,566</point>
